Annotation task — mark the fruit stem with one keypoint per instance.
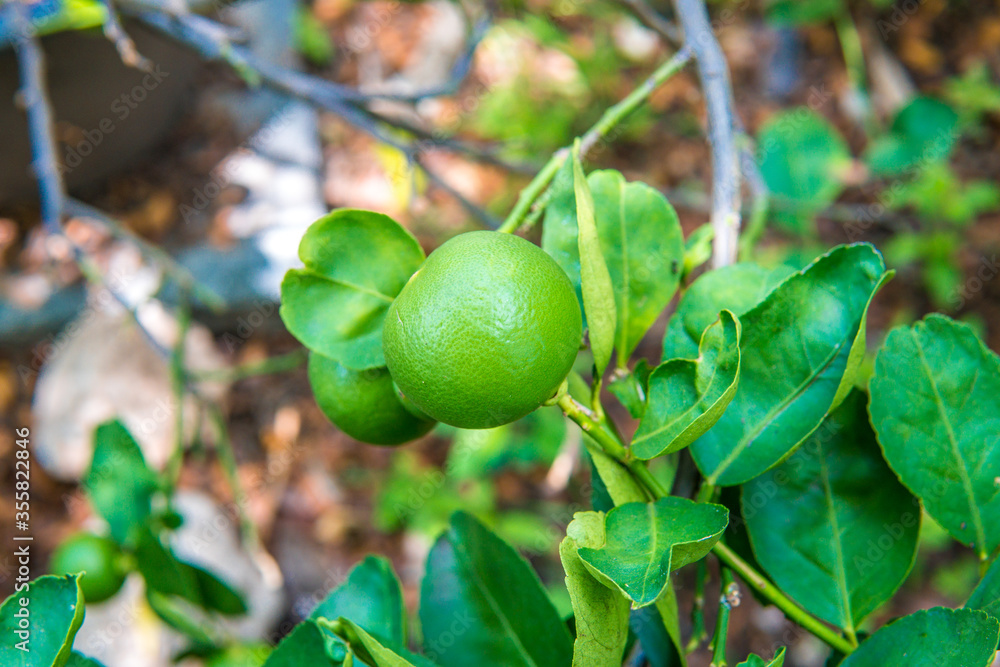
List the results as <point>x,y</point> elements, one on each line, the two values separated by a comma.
<point>612,116</point>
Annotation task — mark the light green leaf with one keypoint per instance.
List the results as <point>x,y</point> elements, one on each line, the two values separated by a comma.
<point>935,404</point>
<point>80,660</point>
<point>737,288</point>
<point>935,637</point>
<point>38,624</point>
<point>923,132</point>
<point>378,654</point>
<point>687,396</point>
<point>356,262</point>
<point>643,246</point>
<point>595,281</point>
<point>370,597</point>
<point>837,532</point>
<point>800,351</point>
<point>756,661</point>
<point>601,612</point>
<point>618,481</point>
<point>119,483</point>
<point>801,158</point>
<point>986,596</point>
<point>644,542</point>
<point>482,605</point>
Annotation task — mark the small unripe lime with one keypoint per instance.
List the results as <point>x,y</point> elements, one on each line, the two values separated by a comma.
<point>363,404</point>
<point>484,332</point>
<point>99,558</point>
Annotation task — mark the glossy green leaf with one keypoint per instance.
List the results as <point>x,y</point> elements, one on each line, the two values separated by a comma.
<point>645,542</point>
<point>737,288</point>
<point>644,248</point>
<point>935,404</point>
<point>356,262</point>
<point>687,396</point>
<point>370,597</point>
<point>80,660</point>
<point>119,483</point>
<point>376,652</point>
<point>616,479</point>
<point>630,387</point>
<point>307,644</point>
<point>801,158</point>
<point>38,624</point>
<point>800,351</point>
<point>601,613</point>
<point>986,596</point>
<point>937,637</point>
<point>835,529</point>
<point>595,280</point>
<point>923,132</point>
<point>481,604</point>
<point>756,661</point>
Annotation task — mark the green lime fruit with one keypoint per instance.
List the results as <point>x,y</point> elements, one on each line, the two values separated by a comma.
<point>99,558</point>
<point>363,404</point>
<point>484,332</point>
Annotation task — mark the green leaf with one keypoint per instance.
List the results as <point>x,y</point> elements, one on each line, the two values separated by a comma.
<point>377,654</point>
<point>669,613</point>
<point>630,387</point>
<point>657,644</point>
<point>801,158</point>
<point>935,637</point>
<point>837,532</point>
<point>38,624</point>
<point>687,396</point>
<point>213,593</point>
<point>756,661</point>
<point>935,404</point>
<point>644,248</point>
<point>80,660</point>
<point>119,483</point>
<point>737,288</point>
<point>924,131</point>
<point>601,613</point>
<point>356,262</point>
<point>371,597</point>
<point>800,351</point>
<point>986,596</point>
<point>595,280</point>
<point>646,541</point>
<point>481,604</point>
<point>307,644</point>
<point>794,12</point>
<point>618,482</point>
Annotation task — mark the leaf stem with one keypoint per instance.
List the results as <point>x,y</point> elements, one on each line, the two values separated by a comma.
<point>792,610</point>
<point>538,187</point>
<point>593,427</point>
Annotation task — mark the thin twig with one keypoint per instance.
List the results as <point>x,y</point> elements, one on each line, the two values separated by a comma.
<point>714,75</point>
<point>650,18</point>
<point>126,47</point>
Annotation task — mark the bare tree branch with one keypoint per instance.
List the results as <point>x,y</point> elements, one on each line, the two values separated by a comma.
<point>650,18</point>
<point>126,47</point>
<point>714,74</point>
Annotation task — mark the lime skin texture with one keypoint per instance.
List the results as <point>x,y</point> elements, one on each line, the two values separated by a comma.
<point>99,558</point>
<point>485,331</point>
<point>363,404</point>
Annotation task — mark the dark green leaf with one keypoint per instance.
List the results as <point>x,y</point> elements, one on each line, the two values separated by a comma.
<point>801,158</point>
<point>616,479</point>
<point>630,387</point>
<point>38,624</point>
<point>307,646</point>
<point>378,652</point>
<point>371,597</point>
<point>644,248</point>
<point>800,351</point>
<point>215,594</point>
<point>756,661</point>
<point>356,262</point>
<point>595,280</point>
<point>482,605</point>
<point>687,396</point>
<point>935,637</point>
<point>836,530</point>
<point>80,660</point>
<point>657,645</point>
<point>737,288</point>
<point>987,594</point>
<point>118,482</point>
<point>601,613</point>
<point>935,404</point>
<point>795,12</point>
<point>646,541</point>
<point>182,615</point>
<point>923,132</point>
<point>162,571</point>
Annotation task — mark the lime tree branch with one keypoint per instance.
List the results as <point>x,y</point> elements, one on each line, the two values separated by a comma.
<point>714,75</point>
<point>537,190</point>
